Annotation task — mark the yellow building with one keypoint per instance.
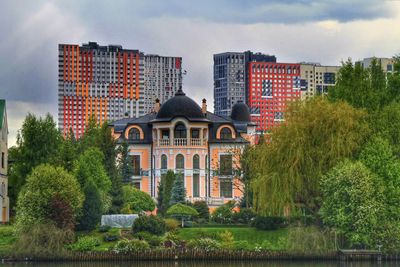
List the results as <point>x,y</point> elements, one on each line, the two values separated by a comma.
<point>184,137</point>
<point>316,79</point>
<point>4,201</point>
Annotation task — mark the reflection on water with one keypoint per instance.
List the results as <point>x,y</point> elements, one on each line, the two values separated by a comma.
<point>203,264</point>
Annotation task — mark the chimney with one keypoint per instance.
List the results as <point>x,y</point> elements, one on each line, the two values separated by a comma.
<point>204,106</point>
<point>157,106</point>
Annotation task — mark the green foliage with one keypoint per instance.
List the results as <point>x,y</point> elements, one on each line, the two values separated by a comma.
<point>206,244</point>
<point>352,202</point>
<point>37,142</point>
<point>241,245</point>
<point>178,192</point>
<point>152,224</point>
<point>202,208</point>
<point>171,224</point>
<point>243,216</point>
<point>269,222</point>
<point>227,240</point>
<point>181,210</point>
<point>126,246</point>
<point>60,213</point>
<point>68,152</point>
<point>316,136</point>
<point>104,228</point>
<point>89,168</point>
<point>224,213</point>
<point>92,208</point>
<point>160,196</point>
<point>153,240</point>
<point>43,240</point>
<point>311,240</point>
<point>125,163</point>
<point>361,88</point>
<point>41,186</point>
<point>137,200</point>
<point>85,243</point>
<point>167,181</point>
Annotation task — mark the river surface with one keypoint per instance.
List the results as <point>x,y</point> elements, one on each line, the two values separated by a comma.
<point>204,264</point>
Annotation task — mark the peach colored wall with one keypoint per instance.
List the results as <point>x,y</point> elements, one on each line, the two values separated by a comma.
<point>144,185</point>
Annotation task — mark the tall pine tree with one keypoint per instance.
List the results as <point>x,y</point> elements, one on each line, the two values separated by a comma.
<point>178,192</point>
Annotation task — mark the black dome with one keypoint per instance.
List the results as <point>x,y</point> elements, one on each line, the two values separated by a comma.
<point>180,106</point>
<point>240,112</point>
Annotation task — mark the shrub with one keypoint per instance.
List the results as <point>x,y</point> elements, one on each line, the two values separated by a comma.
<point>206,244</point>
<point>104,228</point>
<point>92,208</point>
<point>224,213</point>
<point>152,224</point>
<point>310,240</point>
<point>171,224</point>
<point>85,243</point>
<point>110,238</point>
<point>43,240</point>
<point>44,182</point>
<point>61,213</point>
<point>126,246</point>
<point>268,223</point>
<point>241,245</point>
<point>227,240</point>
<point>244,216</point>
<point>173,238</point>
<point>136,200</point>
<point>203,210</point>
<point>182,211</point>
<point>153,240</point>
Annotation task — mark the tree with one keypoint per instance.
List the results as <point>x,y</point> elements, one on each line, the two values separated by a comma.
<point>202,208</point>
<point>89,168</point>
<point>60,213</point>
<point>352,202</point>
<point>125,163</point>
<point>178,192</point>
<point>182,211</point>
<point>167,188</point>
<point>38,142</point>
<point>316,135</point>
<point>92,209</point>
<point>68,152</point>
<point>160,200</point>
<point>136,200</point>
<point>44,183</point>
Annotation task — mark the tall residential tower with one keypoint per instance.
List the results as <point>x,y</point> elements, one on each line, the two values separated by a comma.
<point>109,83</point>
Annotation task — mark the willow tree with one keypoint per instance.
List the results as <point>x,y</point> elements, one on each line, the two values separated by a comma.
<point>316,135</point>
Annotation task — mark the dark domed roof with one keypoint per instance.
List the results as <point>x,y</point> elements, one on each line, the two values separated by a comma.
<point>180,106</point>
<point>240,112</point>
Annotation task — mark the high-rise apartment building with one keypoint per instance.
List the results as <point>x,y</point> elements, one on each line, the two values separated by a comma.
<point>4,200</point>
<point>387,64</point>
<point>230,78</point>
<point>109,83</point>
<point>271,86</point>
<point>316,79</point>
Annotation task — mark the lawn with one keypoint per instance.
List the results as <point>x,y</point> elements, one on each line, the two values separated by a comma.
<point>7,239</point>
<point>251,235</point>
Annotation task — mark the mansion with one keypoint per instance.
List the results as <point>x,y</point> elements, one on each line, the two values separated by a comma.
<point>181,136</point>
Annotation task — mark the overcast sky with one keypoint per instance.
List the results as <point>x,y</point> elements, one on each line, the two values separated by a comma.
<point>305,30</point>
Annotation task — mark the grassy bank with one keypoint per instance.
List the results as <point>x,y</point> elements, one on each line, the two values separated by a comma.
<point>7,239</point>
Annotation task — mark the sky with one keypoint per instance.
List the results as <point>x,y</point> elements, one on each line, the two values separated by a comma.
<point>294,31</point>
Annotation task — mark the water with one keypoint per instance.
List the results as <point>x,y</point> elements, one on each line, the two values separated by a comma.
<point>203,264</point>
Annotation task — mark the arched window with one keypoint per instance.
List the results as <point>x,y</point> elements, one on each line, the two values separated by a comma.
<point>164,162</point>
<point>180,131</point>
<point>134,134</point>
<point>226,133</point>
<point>180,162</point>
<point>196,162</point>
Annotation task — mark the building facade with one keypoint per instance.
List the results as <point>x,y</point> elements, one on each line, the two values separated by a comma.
<point>202,147</point>
<point>316,79</point>
<point>387,64</point>
<point>4,200</point>
<point>105,82</point>
<point>271,87</point>
<point>230,78</point>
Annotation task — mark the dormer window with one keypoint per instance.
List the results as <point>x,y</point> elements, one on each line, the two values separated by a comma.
<point>134,134</point>
<point>226,133</point>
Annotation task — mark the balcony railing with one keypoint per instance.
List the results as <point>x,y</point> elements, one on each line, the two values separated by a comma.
<point>183,142</point>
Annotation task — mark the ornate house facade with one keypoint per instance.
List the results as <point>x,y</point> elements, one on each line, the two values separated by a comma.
<point>183,137</point>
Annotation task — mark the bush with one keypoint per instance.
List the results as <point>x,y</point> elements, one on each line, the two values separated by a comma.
<point>85,243</point>
<point>171,224</point>
<point>92,208</point>
<point>244,216</point>
<point>206,244</point>
<point>203,210</point>
<point>241,245</point>
<point>126,246</point>
<point>152,224</point>
<point>172,238</point>
<point>310,240</point>
<point>110,238</point>
<point>43,240</point>
<point>153,240</point>
<point>224,213</point>
<point>227,240</point>
<point>136,200</point>
<point>268,223</point>
<point>42,185</point>
<point>61,213</point>
<point>104,228</point>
